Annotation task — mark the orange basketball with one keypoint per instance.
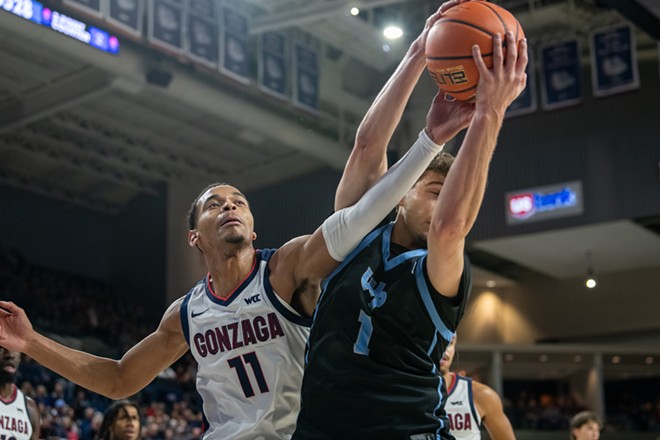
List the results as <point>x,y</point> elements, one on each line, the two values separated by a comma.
<point>450,40</point>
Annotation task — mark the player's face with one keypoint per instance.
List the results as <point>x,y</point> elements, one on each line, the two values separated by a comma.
<point>418,204</point>
<point>448,357</point>
<point>9,361</point>
<point>588,431</point>
<point>127,424</point>
<point>224,214</point>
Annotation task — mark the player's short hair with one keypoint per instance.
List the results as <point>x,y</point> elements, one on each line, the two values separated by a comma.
<point>440,164</point>
<point>582,418</point>
<point>192,213</point>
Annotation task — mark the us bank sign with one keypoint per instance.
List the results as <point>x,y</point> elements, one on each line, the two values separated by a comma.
<point>545,202</point>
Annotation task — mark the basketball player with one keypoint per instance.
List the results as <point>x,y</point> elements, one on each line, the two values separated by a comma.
<point>20,419</point>
<point>247,321</point>
<point>387,313</point>
<point>471,404</point>
<point>121,421</point>
<point>585,425</point>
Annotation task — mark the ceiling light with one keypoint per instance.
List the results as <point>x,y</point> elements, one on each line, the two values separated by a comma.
<point>393,32</point>
<point>491,283</point>
<point>386,47</point>
<point>590,281</point>
<point>648,360</point>
<point>355,11</point>
<point>577,358</point>
<point>616,359</point>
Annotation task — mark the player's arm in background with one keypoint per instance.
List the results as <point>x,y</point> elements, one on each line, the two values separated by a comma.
<point>490,408</point>
<point>35,418</point>
<point>109,377</point>
<point>464,187</point>
<point>368,160</point>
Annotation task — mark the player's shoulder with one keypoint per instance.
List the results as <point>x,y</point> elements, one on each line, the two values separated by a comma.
<point>485,397</point>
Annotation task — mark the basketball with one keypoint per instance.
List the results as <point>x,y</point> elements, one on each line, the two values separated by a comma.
<point>450,40</point>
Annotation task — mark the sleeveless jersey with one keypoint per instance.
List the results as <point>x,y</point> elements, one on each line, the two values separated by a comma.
<point>250,349</point>
<point>14,418</point>
<point>464,419</point>
<point>379,331</point>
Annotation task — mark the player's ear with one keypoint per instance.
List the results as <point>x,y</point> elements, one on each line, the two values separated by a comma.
<point>254,235</point>
<point>193,238</point>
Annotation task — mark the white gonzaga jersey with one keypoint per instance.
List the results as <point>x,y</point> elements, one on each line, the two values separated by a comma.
<point>464,419</point>
<point>250,350</point>
<point>14,418</point>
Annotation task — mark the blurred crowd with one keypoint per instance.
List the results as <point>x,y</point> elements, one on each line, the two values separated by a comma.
<point>75,306</point>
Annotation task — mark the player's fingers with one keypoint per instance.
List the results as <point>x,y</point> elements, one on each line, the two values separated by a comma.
<point>478,60</point>
<point>512,51</point>
<point>498,53</point>
<point>523,57</point>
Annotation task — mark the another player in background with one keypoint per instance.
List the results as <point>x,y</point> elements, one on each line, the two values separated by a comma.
<point>20,415</point>
<point>585,425</point>
<point>471,404</point>
<point>121,421</point>
<point>387,313</point>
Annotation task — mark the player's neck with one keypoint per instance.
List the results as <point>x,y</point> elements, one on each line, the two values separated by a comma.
<point>401,235</point>
<point>6,390</point>
<point>230,270</point>
<point>449,379</point>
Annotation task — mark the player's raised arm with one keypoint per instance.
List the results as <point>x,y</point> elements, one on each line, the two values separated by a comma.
<point>464,187</point>
<point>492,413</point>
<point>368,160</point>
<point>111,378</point>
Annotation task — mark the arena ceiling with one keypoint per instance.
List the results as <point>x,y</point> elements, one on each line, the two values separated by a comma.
<point>88,128</point>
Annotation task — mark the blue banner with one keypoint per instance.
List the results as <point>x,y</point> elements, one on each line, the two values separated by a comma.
<point>234,53</point>
<point>126,16</point>
<point>273,66</point>
<point>202,37</point>
<point>166,24</point>
<point>306,78</point>
<point>526,102</point>
<point>562,74</point>
<point>613,60</point>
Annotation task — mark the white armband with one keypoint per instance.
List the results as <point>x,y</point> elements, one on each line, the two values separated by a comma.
<point>344,229</point>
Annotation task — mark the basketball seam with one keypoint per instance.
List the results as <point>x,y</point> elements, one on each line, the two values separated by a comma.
<point>496,14</point>
<point>462,57</point>
<point>452,20</point>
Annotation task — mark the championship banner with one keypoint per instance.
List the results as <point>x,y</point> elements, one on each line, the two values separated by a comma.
<point>165,24</point>
<point>561,74</point>
<point>126,16</point>
<point>92,7</point>
<point>306,78</point>
<point>273,68</point>
<point>202,37</point>
<point>234,52</point>
<point>613,60</point>
<point>526,102</point>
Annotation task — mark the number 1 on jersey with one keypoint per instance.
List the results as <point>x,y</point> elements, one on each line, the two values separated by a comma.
<point>239,365</point>
<point>364,335</point>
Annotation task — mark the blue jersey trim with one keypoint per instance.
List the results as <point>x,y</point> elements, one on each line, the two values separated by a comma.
<point>238,290</point>
<point>389,264</point>
<point>274,299</point>
<point>441,422</point>
<point>428,301</point>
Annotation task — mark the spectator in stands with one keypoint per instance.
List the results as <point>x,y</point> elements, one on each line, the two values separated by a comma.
<point>585,425</point>
<point>122,421</point>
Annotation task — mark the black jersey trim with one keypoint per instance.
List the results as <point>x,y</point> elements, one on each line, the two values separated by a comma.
<point>183,314</point>
<point>440,326</point>
<point>275,300</point>
<point>238,290</point>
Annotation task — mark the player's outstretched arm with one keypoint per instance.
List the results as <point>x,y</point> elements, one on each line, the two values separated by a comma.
<point>368,160</point>
<point>490,408</point>
<point>111,378</point>
<point>463,189</point>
